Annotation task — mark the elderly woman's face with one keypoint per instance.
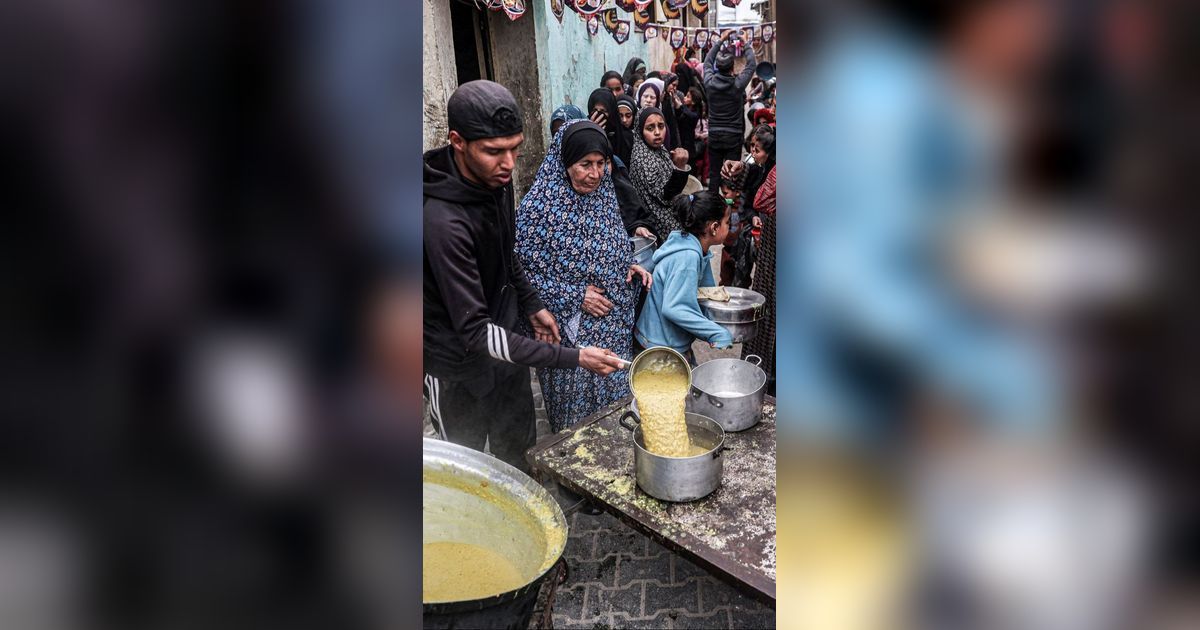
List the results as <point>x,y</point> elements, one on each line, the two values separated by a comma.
<point>585,174</point>
<point>649,99</point>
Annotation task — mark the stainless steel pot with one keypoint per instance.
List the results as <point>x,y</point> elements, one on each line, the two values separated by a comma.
<point>471,497</point>
<point>679,479</point>
<point>740,315</point>
<point>729,391</point>
<point>643,249</point>
<point>657,359</point>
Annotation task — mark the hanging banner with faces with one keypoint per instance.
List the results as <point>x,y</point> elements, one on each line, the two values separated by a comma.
<point>699,8</point>
<point>678,38</point>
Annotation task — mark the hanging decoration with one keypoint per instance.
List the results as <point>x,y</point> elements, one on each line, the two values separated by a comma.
<point>627,6</point>
<point>768,33</point>
<point>650,32</point>
<point>699,8</point>
<point>619,29</point>
<point>664,32</point>
<point>732,4</point>
<point>669,10</point>
<point>514,8</point>
<point>588,7</point>
<point>557,8</point>
<point>702,38</point>
<point>678,37</point>
<point>593,25</point>
<point>642,18</point>
<point>642,4</point>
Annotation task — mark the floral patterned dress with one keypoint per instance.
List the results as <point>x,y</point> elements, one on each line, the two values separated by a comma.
<point>566,241</point>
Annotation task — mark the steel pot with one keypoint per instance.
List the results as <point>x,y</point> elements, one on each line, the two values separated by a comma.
<point>471,497</point>
<point>656,359</point>
<point>643,249</point>
<point>679,479</point>
<point>740,315</point>
<point>729,391</point>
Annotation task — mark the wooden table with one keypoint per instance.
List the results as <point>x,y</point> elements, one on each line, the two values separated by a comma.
<point>731,532</point>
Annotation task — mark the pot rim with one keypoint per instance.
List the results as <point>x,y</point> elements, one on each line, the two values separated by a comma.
<point>720,443</point>
<point>557,516</point>
<point>756,392</point>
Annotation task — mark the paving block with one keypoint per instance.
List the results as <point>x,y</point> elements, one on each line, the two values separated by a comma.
<point>654,569</point>
<point>623,541</point>
<point>580,546</point>
<point>679,597</point>
<point>626,600</point>
<point>716,594</point>
<point>683,569</point>
<point>714,619</point>
<point>602,572</point>
<point>657,622</point>
<point>568,602</point>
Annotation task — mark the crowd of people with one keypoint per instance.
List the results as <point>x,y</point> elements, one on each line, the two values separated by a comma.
<point>683,156</point>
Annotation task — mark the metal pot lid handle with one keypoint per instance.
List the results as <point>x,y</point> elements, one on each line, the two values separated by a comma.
<point>716,402</point>
<point>757,359</point>
<point>630,425</point>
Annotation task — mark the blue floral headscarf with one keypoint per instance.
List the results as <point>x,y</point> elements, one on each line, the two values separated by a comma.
<point>566,241</point>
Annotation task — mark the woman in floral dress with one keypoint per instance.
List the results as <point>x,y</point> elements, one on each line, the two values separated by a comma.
<point>574,249</point>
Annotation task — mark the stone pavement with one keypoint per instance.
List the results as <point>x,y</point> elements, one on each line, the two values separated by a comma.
<point>621,579</point>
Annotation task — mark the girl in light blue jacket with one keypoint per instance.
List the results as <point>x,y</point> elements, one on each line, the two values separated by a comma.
<point>672,315</point>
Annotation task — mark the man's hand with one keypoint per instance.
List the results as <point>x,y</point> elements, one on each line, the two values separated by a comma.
<point>644,232</point>
<point>594,302</point>
<point>599,360</point>
<point>680,157</point>
<point>544,327</point>
<point>638,270</point>
<point>725,36</point>
<point>732,168</point>
<point>756,222</point>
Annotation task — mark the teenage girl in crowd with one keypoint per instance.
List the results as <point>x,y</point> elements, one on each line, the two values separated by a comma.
<point>672,315</point>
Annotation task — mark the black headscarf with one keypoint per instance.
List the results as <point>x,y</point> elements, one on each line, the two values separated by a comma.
<point>630,68</point>
<point>611,74</point>
<point>582,138</point>
<point>628,101</point>
<point>619,137</point>
<point>642,116</point>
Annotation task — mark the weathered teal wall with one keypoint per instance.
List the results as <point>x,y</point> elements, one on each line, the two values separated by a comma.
<point>570,63</point>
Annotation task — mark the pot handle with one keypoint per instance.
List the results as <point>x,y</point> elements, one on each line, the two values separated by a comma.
<point>630,425</point>
<point>757,360</point>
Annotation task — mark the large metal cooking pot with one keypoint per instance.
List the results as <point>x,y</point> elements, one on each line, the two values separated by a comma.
<point>740,315</point>
<point>679,479</point>
<point>471,497</point>
<point>643,249</point>
<point>729,391</point>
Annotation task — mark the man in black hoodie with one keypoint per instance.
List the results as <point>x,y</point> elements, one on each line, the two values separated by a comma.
<point>726,106</point>
<point>475,292</point>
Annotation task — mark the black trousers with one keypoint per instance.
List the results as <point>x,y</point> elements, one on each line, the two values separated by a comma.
<point>721,147</point>
<point>502,417</point>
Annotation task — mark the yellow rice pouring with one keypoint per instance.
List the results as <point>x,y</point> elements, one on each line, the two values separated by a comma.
<point>660,399</point>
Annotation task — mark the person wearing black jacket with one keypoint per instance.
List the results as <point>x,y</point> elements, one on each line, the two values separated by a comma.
<point>476,294</point>
<point>726,106</point>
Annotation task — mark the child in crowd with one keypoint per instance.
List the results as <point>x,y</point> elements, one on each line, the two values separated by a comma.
<point>672,315</point>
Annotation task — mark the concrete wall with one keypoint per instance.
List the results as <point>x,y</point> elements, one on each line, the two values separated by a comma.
<point>515,62</point>
<point>570,63</point>
<point>440,77</point>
